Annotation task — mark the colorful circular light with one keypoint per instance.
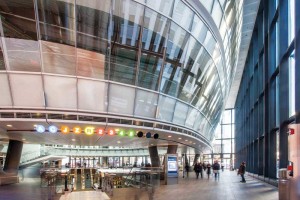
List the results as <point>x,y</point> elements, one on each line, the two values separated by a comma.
<point>111,132</point>
<point>40,128</point>
<point>52,129</point>
<point>100,131</point>
<point>89,130</point>
<point>131,133</point>
<point>121,133</point>
<point>77,130</point>
<point>65,129</point>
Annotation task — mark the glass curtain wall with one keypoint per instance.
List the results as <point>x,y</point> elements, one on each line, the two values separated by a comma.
<point>223,145</point>
<point>267,100</point>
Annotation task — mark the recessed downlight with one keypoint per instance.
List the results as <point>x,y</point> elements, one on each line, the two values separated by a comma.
<point>169,136</point>
<point>9,125</point>
<point>179,138</point>
<point>73,140</point>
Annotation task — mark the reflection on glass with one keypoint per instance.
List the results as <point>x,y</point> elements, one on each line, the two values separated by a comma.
<point>292,84</point>
<point>146,104</point>
<point>192,115</point>
<point>207,4</point>
<point>149,70</point>
<point>176,42</point>
<point>90,64</point>
<point>127,18</point>
<point>17,7</point>
<point>217,13</point>
<point>182,14</point>
<point>123,65</point>
<point>226,118</point>
<point>291,20</point>
<point>164,6</point>
<point>57,13</point>
<point>21,43</point>
<point>93,34</point>
<point>166,107</point>
<point>180,113</point>
<point>155,31</point>
<point>171,80</point>
<point>58,58</point>
<point>199,29</point>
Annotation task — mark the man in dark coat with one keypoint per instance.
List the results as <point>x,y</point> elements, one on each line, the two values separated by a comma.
<point>242,170</point>
<point>198,169</point>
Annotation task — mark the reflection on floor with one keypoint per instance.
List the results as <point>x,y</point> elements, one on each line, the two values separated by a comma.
<point>227,187</point>
<point>85,195</point>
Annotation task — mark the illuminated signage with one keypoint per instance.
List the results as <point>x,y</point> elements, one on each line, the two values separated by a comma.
<point>52,129</point>
<point>77,130</point>
<point>111,132</point>
<point>40,129</point>
<point>64,129</point>
<point>100,131</point>
<point>89,130</point>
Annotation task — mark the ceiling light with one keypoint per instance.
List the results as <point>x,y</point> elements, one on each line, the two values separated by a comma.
<point>9,125</point>
<point>23,139</point>
<point>73,140</point>
<point>179,138</point>
<point>169,136</point>
<point>186,140</point>
<point>118,142</point>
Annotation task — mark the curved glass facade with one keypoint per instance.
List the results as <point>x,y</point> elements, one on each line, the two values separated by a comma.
<point>166,60</point>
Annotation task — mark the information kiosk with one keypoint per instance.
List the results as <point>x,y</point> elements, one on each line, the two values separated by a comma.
<point>171,169</point>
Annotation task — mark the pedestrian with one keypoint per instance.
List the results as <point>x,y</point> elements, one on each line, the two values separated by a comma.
<point>216,169</point>
<point>198,169</point>
<point>241,171</point>
<point>187,168</point>
<point>208,168</point>
<point>222,167</point>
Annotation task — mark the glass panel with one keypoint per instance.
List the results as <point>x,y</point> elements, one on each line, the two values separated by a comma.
<point>226,131</point>
<point>171,80</point>
<point>90,64</point>
<point>17,7</point>
<point>180,113</point>
<point>207,4</point>
<point>291,21</point>
<point>155,31</point>
<point>127,18</point>
<point>21,43</point>
<point>226,119</point>
<point>192,115</point>
<point>58,13</point>
<point>177,40</point>
<point>61,92</point>
<point>95,91</point>
<point>182,14</point>
<point>123,65</point>
<point>27,90</point>
<point>149,70</point>
<point>58,58</point>
<point>199,29</point>
<point>226,146</point>
<point>146,104</point>
<point>292,83</point>
<point>209,43</point>
<point>121,99</point>
<point>217,13</point>
<point>2,63</point>
<point>92,35</point>
<point>163,6</point>
<point>166,107</point>
<point>5,99</point>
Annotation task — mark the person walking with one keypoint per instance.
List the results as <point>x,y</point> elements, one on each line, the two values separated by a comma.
<point>198,169</point>
<point>187,169</point>
<point>241,171</point>
<point>208,168</point>
<point>216,169</point>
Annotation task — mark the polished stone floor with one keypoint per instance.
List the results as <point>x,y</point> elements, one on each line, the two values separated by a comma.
<point>228,187</point>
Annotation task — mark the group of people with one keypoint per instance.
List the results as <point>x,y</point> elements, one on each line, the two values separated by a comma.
<point>199,167</point>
